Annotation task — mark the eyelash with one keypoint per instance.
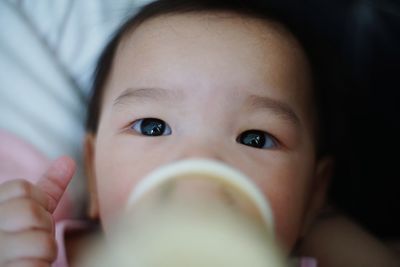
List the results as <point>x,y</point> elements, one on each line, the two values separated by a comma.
<point>258,139</point>
<point>157,127</point>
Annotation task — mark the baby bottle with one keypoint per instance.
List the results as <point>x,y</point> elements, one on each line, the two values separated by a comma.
<point>195,213</point>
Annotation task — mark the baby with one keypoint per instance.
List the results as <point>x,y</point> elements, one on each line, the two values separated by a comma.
<point>213,84</point>
<point>219,80</point>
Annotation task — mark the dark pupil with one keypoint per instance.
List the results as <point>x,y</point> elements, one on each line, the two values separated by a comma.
<point>253,138</point>
<point>152,127</point>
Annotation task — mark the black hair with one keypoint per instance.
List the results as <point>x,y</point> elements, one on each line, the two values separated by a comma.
<point>290,14</point>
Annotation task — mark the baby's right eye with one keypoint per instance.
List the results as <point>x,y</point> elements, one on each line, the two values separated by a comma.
<point>151,127</point>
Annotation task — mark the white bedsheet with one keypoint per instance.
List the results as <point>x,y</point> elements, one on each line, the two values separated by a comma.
<point>48,49</point>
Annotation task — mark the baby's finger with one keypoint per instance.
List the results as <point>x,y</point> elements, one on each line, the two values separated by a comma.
<point>23,214</point>
<point>28,263</point>
<point>29,244</point>
<point>21,189</point>
<point>56,179</point>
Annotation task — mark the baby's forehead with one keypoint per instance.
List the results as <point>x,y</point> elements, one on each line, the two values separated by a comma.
<point>263,38</point>
<point>213,24</point>
<point>225,41</point>
<point>249,38</point>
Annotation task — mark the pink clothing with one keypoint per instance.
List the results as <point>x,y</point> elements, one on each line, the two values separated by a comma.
<point>19,158</point>
<point>62,228</point>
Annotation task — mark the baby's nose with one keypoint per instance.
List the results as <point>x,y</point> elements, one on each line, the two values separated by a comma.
<point>205,149</point>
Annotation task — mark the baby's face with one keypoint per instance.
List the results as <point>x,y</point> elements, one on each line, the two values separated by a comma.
<point>222,87</point>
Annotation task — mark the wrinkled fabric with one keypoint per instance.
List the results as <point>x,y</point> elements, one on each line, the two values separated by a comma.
<point>48,50</point>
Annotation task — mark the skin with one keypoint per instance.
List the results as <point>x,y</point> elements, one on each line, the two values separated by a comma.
<point>19,158</point>
<point>216,76</point>
<point>338,241</point>
<point>26,216</point>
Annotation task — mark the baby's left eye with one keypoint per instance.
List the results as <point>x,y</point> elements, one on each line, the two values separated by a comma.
<point>257,139</point>
<point>151,127</point>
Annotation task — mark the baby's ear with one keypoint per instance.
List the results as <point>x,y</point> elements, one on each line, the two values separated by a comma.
<point>322,178</point>
<point>89,152</point>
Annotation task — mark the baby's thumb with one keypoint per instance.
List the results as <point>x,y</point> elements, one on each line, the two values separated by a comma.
<point>55,180</point>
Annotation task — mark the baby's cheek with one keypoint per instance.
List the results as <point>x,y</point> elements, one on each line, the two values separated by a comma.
<point>113,197</point>
<point>287,224</point>
<point>288,205</point>
<point>112,190</point>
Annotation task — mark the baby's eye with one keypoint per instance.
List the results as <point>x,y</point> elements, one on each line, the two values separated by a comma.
<point>151,127</point>
<point>257,139</point>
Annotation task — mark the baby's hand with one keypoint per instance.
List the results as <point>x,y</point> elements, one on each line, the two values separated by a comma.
<point>27,236</point>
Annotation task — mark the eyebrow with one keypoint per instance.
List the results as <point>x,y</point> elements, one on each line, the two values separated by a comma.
<point>279,108</point>
<point>255,102</point>
<point>157,94</point>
